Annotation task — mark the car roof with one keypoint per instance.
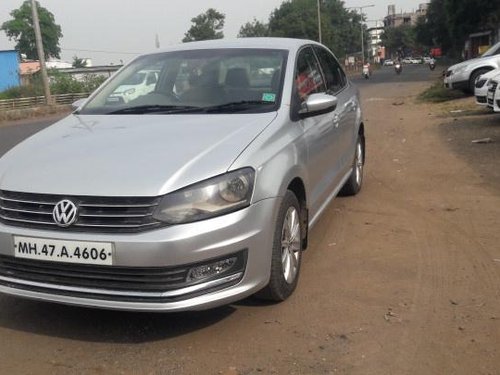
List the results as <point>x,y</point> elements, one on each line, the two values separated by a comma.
<point>266,43</point>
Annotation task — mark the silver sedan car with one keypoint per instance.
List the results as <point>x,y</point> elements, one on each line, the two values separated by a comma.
<point>196,194</point>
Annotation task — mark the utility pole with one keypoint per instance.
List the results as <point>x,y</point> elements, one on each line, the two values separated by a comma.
<point>319,21</point>
<point>362,30</point>
<point>41,54</point>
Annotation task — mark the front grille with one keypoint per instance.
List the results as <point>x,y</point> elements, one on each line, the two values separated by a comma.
<point>95,214</point>
<point>109,282</point>
<point>492,88</point>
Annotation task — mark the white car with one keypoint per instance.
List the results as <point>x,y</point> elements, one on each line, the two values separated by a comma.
<point>463,76</point>
<point>493,95</point>
<point>481,86</point>
<point>388,62</point>
<point>138,84</point>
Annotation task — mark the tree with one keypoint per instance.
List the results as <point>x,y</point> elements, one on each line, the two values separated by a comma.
<point>401,38</point>
<point>449,23</point>
<point>20,29</point>
<point>254,29</point>
<point>206,26</point>
<point>342,32</point>
<point>341,28</point>
<point>78,62</point>
<point>295,19</point>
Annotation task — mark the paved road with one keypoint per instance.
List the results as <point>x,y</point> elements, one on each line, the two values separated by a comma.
<point>14,132</point>
<point>400,279</point>
<point>386,74</point>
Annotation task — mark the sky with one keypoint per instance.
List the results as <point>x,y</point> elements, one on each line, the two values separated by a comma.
<point>115,31</point>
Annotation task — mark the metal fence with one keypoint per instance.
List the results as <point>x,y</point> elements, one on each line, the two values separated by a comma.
<point>39,101</point>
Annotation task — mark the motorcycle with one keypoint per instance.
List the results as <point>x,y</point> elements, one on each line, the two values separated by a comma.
<point>432,65</point>
<point>366,71</point>
<point>398,68</point>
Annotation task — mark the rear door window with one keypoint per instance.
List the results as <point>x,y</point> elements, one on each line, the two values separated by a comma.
<point>308,78</point>
<point>334,76</point>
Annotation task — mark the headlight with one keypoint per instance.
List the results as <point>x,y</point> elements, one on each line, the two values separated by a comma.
<point>213,197</point>
<point>480,83</point>
<point>129,91</point>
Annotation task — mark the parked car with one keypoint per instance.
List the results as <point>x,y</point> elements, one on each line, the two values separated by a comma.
<point>463,76</point>
<point>141,83</point>
<point>194,195</point>
<point>407,60</point>
<point>481,86</point>
<point>388,62</point>
<point>493,94</point>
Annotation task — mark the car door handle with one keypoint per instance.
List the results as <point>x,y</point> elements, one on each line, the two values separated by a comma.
<point>350,105</point>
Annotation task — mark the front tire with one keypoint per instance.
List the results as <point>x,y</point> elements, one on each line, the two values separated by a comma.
<point>353,185</point>
<point>286,252</point>
<point>473,78</point>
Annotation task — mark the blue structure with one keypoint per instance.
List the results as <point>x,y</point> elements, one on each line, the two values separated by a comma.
<point>9,69</point>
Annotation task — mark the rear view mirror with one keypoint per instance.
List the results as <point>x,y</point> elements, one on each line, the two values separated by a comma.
<point>76,105</point>
<point>317,104</point>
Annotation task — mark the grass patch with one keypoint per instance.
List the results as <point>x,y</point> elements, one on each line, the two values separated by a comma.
<point>437,93</point>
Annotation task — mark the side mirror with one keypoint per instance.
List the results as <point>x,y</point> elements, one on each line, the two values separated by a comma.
<point>76,105</point>
<point>317,104</point>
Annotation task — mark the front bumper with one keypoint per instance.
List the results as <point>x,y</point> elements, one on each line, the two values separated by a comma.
<point>250,230</point>
<point>457,81</point>
<point>496,101</point>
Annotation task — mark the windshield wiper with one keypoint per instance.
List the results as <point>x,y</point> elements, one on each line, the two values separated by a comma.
<point>143,109</point>
<point>236,106</point>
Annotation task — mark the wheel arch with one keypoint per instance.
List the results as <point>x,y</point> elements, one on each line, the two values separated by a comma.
<point>297,187</point>
<point>361,133</point>
<point>486,69</point>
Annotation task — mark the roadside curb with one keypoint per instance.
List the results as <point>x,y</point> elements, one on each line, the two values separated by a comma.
<point>12,116</point>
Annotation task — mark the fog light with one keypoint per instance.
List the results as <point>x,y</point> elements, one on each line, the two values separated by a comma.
<point>209,270</point>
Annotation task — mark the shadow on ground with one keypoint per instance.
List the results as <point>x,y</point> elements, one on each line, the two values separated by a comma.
<point>93,325</point>
<point>483,156</point>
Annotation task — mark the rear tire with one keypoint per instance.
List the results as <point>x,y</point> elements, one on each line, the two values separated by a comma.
<point>353,185</point>
<point>286,252</point>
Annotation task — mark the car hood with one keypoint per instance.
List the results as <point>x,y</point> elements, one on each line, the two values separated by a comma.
<point>128,155</point>
<point>476,61</point>
<point>491,74</point>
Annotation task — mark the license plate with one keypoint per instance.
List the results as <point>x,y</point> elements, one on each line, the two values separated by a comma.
<point>100,253</point>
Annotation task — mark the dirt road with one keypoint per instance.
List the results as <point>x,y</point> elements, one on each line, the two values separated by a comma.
<point>402,279</point>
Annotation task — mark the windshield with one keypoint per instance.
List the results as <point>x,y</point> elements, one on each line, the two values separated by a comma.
<point>495,50</point>
<point>180,82</point>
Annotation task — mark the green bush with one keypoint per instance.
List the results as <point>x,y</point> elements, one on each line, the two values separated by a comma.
<point>60,83</point>
<point>438,93</point>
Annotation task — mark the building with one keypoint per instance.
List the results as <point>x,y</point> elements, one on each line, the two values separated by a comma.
<point>394,19</point>
<point>376,52</point>
<point>29,67</point>
<point>479,42</point>
<point>9,69</point>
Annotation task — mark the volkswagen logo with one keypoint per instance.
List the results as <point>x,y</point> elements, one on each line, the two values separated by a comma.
<point>65,213</point>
